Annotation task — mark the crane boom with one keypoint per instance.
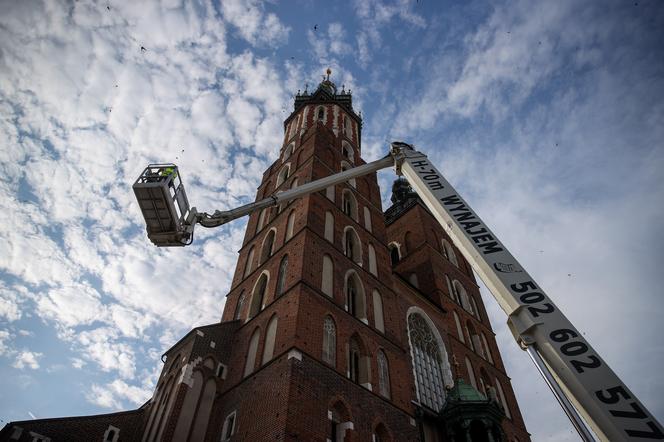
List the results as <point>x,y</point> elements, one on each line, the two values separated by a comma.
<point>569,364</point>
<point>605,402</point>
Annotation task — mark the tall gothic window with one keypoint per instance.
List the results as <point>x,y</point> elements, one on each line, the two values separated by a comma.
<point>258,296</point>
<point>283,175</point>
<point>395,255</point>
<point>290,225</point>
<point>249,263</point>
<point>349,204</point>
<point>355,299</point>
<point>354,361</point>
<point>351,296</point>
<point>289,151</point>
<point>383,374</point>
<point>352,245</point>
<point>281,279</point>
<point>238,307</point>
<point>329,226</point>
<point>345,165</point>
<point>327,282</point>
<point>329,341</point>
<point>261,220</point>
<point>378,311</point>
<point>251,353</point>
<point>270,337</point>
<point>321,114</point>
<point>448,251</point>
<point>268,246</point>
<point>427,362</point>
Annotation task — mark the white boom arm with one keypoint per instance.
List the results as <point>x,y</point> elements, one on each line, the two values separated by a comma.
<point>611,409</point>
<point>571,367</point>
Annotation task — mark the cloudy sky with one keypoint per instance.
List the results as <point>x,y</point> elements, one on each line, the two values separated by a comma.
<point>547,116</point>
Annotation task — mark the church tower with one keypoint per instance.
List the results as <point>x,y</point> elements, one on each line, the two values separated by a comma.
<point>343,323</point>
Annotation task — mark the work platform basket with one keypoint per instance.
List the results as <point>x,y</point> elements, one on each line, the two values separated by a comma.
<point>163,202</point>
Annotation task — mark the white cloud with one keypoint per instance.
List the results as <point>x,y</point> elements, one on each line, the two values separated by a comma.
<point>5,336</point>
<point>72,305</point>
<point>253,24</point>
<point>102,346</point>
<point>27,359</point>
<point>77,363</point>
<point>10,300</point>
<point>114,394</point>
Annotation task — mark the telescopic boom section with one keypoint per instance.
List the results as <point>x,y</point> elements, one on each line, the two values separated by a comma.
<point>219,218</point>
<point>605,402</point>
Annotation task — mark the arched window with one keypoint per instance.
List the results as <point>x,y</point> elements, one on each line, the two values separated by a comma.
<point>373,268</point>
<point>339,422</point>
<point>355,300</point>
<point>450,291</point>
<point>429,362</point>
<point>378,311</point>
<point>471,373</point>
<point>320,113</point>
<point>458,327</point>
<point>486,348</point>
<point>268,246</point>
<point>261,220</point>
<point>229,427</point>
<point>329,341</point>
<point>395,254</point>
<point>358,362</point>
<point>475,341</point>
<point>293,185</point>
<point>270,337</point>
<point>462,296</point>
<point>258,295</point>
<point>290,224</point>
<point>239,305</point>
<point>475,311</point>
<point>503,401</point>
<point>281,278</point>
<point>346,166</point>
<point>327,284</point>
<point>288,151</point>
<point>347,152</point>
<point>448,251</point>
<point>347,130</point>
<point>349,204</point>
<point>284,173</point>
<point>251,353</point>
<point>485,383</point>
<point>367,219</point>
<point>249,263</point>
<point>383,374</point>
<point>352,247</point>
<point>381,434</point>
<point>293,127</point>
<point>329,226</point>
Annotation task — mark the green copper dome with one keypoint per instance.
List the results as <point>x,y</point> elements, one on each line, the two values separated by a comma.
<point>462,392</point>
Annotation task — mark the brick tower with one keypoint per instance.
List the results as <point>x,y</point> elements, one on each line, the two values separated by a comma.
<point>343,323</point>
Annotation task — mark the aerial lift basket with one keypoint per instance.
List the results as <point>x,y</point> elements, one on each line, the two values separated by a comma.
<point>163,202</point>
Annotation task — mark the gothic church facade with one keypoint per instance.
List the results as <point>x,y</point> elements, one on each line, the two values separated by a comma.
<point>343,322</point>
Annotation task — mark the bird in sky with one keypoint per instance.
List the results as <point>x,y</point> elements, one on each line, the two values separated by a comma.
<point>315,27</point>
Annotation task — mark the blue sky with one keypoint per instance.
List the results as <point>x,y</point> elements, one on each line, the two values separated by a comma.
<point>547,116</point>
